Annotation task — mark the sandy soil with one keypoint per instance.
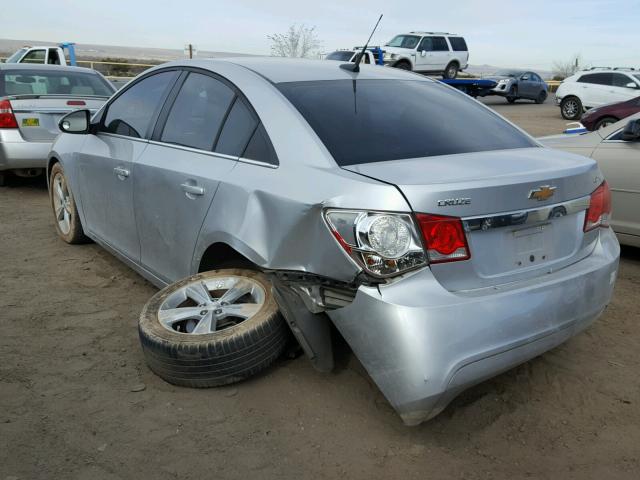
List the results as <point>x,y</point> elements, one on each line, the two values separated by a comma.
<point>77,401</point>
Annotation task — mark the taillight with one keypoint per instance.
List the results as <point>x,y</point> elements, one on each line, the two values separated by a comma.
<point>599,211</point>
<point>76,103</point>
<point>7,118</point>
<point>444,238</point>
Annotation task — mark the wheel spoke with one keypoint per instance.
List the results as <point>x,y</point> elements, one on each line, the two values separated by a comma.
<point>242,310</point>
<point>240,288</point>
<point>59,191</point>
<point>172,315</point>
<point>199,293</point>
<point>206,324</point>
<point>60,213</point>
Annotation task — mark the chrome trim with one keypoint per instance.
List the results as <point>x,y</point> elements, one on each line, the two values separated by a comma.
<point>194,150</point>
<point>525,217</point>
<point>257,162</point>
<point>115,135</point>
<point>50,110</point>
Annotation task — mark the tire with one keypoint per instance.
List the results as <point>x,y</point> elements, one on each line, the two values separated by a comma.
<point>212,358</point>
<point>451,71</point>
<point>571,108</point>
<point>604,122</point>
<point>403,65</point>
<point>512,96</point>
<point>3,179</point>
<point>542,97</point>
<point>65,212</point>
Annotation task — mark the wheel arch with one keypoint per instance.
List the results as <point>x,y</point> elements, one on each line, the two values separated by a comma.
<point>222,255</point>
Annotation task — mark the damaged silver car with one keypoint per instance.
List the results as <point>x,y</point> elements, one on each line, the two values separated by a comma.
<point>445,244</point>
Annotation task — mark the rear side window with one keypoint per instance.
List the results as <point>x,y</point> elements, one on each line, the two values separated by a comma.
<point>458,44</point>
<point>379,120</point>
<point>440,44</point>
<point>32,81</point>
<point>596,78</point>
<point>198,112</point>
<point>260,148</point>
<point>132,113</point>
<point>237,130</point>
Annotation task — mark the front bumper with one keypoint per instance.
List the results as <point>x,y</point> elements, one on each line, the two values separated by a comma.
<point>15,152</point>
<point>423,345</point>
<point>502,89</point>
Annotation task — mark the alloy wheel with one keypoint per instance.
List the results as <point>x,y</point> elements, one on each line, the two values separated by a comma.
<point>62,203</point>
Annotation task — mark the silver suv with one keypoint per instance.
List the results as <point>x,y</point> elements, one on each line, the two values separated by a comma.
<point>449,248</point>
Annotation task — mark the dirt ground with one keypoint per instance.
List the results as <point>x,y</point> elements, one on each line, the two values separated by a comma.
<point>77,401</point>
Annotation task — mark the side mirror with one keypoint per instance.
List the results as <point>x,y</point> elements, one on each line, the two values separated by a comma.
<point>75,122</point>
<point>423,53</point>
<point>631,85</point>
<point>631,132</point>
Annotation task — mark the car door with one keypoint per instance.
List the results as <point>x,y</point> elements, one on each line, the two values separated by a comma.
<point>106,162</point>
<point>202,130</point>
<point>620,163</point>
<point>526,85</point>
<point>433,54</point>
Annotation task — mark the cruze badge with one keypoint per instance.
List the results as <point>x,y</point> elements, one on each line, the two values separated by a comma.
<point>449,202</point>
<point>545,192</point>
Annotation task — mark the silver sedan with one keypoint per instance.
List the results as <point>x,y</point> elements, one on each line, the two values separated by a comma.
<point>445,244</point>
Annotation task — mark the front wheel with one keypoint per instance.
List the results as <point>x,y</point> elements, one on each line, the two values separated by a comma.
<point>403,66</point>
<point>542,97</point>
<point>513,95</point>
<point>451,71</point>
<point>571,108</point>
<point>604,122</point>
<point>214,328</point>
<point>65,212</point>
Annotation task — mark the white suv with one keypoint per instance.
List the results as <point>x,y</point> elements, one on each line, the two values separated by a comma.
<point>436,53</point>
<point>596,87</point>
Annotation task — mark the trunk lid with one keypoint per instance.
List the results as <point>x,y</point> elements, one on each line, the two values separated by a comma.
<point>38,116</point>
<point>510,235</point>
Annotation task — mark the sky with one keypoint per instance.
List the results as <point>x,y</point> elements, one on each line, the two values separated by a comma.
<point>532,34</point>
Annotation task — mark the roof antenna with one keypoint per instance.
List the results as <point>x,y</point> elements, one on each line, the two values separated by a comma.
<point>355,67</point>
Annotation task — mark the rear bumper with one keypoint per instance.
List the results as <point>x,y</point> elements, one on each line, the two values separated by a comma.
<point>15,152</point>
<point>423,345</point>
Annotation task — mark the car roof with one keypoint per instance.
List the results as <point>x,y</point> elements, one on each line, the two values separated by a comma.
<point>44,66</point>
<point>280,70</point>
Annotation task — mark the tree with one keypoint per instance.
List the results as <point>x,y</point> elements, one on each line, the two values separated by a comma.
<point>564,69</point>
<point>299,41</point>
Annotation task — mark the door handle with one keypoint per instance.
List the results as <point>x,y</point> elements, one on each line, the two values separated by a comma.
<point>192,189</point>
<point>121,172</point>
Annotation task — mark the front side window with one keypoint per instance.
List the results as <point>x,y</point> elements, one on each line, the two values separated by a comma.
<point>379,120</point>
<point>198,112</point>
<point>53,82</point>
<point>133,112</point>
<point>404,41</point>
<point>34,56</point>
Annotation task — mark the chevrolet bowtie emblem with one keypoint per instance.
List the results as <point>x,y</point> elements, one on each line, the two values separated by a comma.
<point>545,192</point>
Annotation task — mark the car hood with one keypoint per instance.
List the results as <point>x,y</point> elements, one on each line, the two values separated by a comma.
<point>585,140</point>
<point>399,50</point>
<point>497,78</point>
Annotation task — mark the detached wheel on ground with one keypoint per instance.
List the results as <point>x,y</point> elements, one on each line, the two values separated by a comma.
<point>451,71</point>
<point>212,329</point>
<point>604,122</point>
<point>571,108</point>
<point>65,212</point>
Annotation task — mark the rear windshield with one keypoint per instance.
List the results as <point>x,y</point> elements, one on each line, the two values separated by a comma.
<point>42,82</point>
<point>378,120</point>
<point>343,56</point>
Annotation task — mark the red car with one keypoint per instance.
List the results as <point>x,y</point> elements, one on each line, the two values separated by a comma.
<point>599,117</point>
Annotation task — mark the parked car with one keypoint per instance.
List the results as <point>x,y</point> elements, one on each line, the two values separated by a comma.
<point>594,88</point>
<point>351,54</point>
<point>517,84</point>
<point>33,98</point>
<point>434,53</point>
<point>601,117</point>
<point>442,259</point>
<point>616,148</point>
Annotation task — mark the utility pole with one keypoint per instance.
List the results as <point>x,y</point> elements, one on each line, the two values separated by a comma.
<point>190,51</point>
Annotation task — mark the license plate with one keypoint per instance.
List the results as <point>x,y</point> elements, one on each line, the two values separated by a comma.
<point>30,122</point>
<point>532,245</point>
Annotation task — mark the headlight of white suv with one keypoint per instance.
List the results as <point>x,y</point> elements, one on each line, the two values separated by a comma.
<point>384,244</point>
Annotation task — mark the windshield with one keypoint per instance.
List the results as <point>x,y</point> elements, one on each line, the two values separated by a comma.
<point>378,120</point>
<point>50,82</point>
<point>404,41</point>
<point>16,56</point>
<point>508,73</point>
<point>343,56</point>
